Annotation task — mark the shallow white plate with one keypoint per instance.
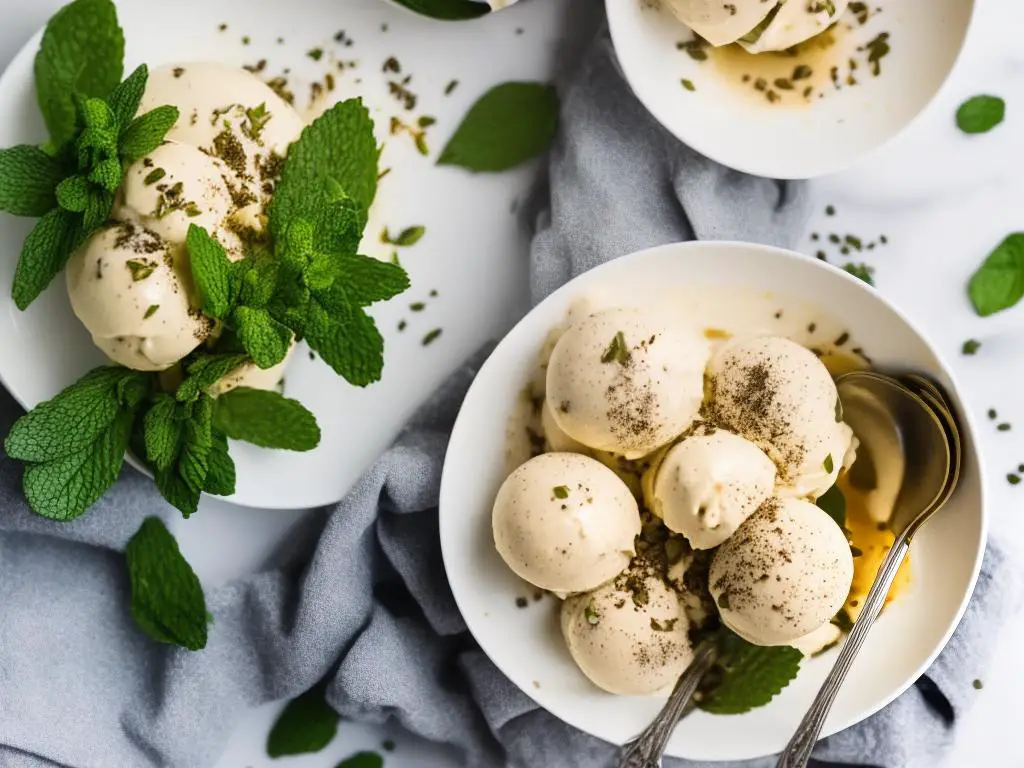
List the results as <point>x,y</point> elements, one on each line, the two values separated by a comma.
<point>526,644</point>
<point>727,121</point>
<point>470,253</point>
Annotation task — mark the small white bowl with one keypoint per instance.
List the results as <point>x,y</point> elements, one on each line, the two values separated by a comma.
<point>726,121</point>
<point>525,643</point>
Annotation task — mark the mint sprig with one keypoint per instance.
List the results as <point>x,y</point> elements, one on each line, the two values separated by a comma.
<point>167,599</point>
<point>510,124</point>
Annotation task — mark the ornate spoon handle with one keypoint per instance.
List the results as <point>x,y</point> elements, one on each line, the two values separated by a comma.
<point>645,750</point>
<point>798,751</point>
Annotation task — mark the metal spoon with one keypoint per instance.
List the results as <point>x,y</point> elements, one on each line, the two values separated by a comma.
<point>646,750</point>
<point>930,437</point>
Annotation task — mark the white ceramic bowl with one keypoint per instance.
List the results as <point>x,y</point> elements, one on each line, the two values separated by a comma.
<point>721,120</point>
<point>525,643</point>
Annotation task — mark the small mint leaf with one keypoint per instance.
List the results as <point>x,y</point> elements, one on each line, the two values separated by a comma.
<point>367,280</point>
<point>998,283</point>
<point>28,180</point>
<point>980,114</point>
<point>125,99</point>
<point>167,598</point>
<point>354,350</point>
<point>748,676</point>
<point>82,51</point>
<point>146,132</point>
<point>220,480</point>
<point>73,194</point>
<point>193,461</point>
<point>107,174</point>
<point>510,124</point>
<point>447,10</point>
<point>97,209</point>
<point>306,725</point>
<point>266,419</point>
<point>833,502</point>
<point>43,255</point>
<point>64,488</point>
<point>162,429</point>
<point>178,493</point>
<point>265,339</point>
<point>320,272</point>
<point>211,270</point>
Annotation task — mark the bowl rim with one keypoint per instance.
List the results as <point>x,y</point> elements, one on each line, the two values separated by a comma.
<point>613,11</point>
<point>449,481</point>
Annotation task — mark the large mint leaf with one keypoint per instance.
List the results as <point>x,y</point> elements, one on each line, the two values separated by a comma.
<point>266,419</point>
<point>28,180</point>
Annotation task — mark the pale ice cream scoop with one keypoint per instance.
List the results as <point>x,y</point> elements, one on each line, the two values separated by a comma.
<point>622,381</point>
<point>721,23</point>
<point>757,25</point>
<point>629,636</point>
<point>708,484</point>
<point>131,290</point>
<point>780,396</point>
<point>565,522</point>
<point>792,22</point>
<point>252,376</point>
<point>785,572</point>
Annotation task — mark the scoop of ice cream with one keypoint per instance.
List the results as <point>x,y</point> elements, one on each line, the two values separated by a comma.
<point>555,437</point>
<point>791,23</point>
<point>628,636</point>
<point>131,290</point>
<point>177,185</point>
<point>622,381</point>
<point>786,571</point>
<point>778,395</point>
<point>720,23</point>
<point>708,484</point>
<point>565,522</point>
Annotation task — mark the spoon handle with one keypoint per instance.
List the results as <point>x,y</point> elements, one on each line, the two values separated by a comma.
<point>645,750</point>
<point>798,751</point>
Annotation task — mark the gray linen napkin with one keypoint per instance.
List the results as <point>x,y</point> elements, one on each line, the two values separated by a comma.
<point>366,605</point>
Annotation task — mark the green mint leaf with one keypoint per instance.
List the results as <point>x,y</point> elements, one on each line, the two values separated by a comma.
<point>331,306</point>
<point>367,280</point>
<point>337,224</point>
<point>408,236</point>
<point>970,347</point>
<point>258,280</point>
<point>82,52</point>
<point>193,461</point>
<point>178,493</point>
<point>28,180</point>
<point>362,760</point>
<point>998,283</point>
<point>97,210</point>
<point>107,174</point>
<point>980,114</point>
<point>306,725</point>
<point>71,421</point>
<point>265,339</point>
<point>747,676</point>
<point>73,194</point>
<point>447,10</point>
<point>145,133</point>
<point>320,273</point>
<point>64,488</point>
<point>133,387</point>
<point>162,429</point>
<point>220,480</point>
<point>508,125</point>
<point>206,371</point>
<point>211,270</point>
<point>167,598</point>
<point>828,464</point>
<point>337,150</point>
<point>354,350</point>
<point>45,252</point>
<point>266,419</point>
<point>833,502</point>
<point>124,100</point>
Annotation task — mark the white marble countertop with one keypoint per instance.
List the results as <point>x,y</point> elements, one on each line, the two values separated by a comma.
<point>943,200</point>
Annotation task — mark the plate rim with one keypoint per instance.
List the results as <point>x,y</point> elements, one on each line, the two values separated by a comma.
<point>449,481</point>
